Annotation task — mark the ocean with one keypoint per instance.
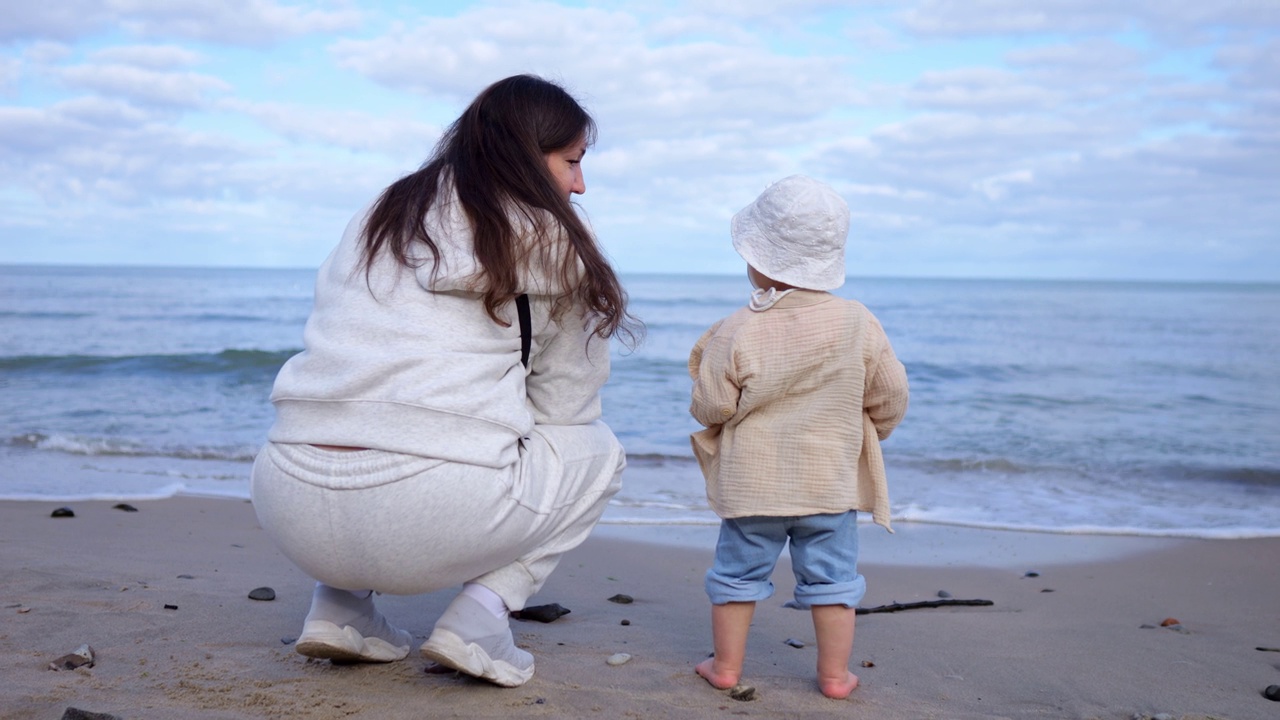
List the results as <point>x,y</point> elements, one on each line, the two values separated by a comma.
<point>1125,408</point>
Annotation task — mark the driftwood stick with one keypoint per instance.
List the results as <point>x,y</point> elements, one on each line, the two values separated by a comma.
<point>895,607</point>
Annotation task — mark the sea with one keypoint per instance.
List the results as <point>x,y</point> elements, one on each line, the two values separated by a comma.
<point>1098,408</point>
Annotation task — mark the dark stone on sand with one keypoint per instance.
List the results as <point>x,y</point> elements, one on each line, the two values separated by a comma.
<point>793,643</point>
<point>541,613</point>
<point>262,593</point>
<point>63,512</point>
<point>170,607</point>
<point>1146,626</point>
<point>944,594</point>
<point>1047,590</point>
<point>622,599</point>
<point>288,640</point>
<point>1031,573</point>
<point>125,507</point>
<point>745,693</point>
<point>1272,693</point>
<point>80,657</point>
<point>78,714</point>
<point>625,622</point>
<point>186,577</point>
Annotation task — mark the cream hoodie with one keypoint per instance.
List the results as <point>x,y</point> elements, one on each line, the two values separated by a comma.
<point>409,364</point>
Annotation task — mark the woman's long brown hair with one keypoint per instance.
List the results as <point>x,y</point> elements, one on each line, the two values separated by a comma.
<point>495,156</point>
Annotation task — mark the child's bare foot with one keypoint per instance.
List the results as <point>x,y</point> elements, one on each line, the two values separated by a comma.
<point>838,688</point>
<point>720,679</point>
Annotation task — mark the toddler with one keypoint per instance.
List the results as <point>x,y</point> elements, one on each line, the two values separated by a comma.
<point>795,391</point>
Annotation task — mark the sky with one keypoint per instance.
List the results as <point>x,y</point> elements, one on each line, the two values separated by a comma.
<point>1072,139</point>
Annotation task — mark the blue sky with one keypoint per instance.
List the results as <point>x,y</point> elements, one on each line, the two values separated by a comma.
<point>971,138</point>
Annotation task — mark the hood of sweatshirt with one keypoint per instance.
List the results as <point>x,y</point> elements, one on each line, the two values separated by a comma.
<point>459,270</point>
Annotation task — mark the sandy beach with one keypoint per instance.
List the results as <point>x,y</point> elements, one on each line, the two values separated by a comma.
<point>161,595</point>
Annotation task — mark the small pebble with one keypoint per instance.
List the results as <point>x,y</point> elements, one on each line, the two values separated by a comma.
<point>1031,573</point>
<point>23,611</point>
<point>625,622</point>
<point>618,659</point>
<point>1169,621</point>
<point>286,640</point>
<point>1267,649</point>
<point>622,599</point>
<point>126,507</point>
<point>170,607</point>
<point>793,643</point>
<point>63,512</point>
<point>868,663</point>
<point>745,693</point>
<point>186,577</point>
<point>1047,590</point>
<point>262,593</point>
<point>541,613</point>
<point>944,594</point>
<point>1272,693</point>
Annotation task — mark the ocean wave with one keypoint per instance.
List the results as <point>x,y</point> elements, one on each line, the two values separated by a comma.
<point>118,447</point>
<point>927,372</point>
<point>924,517</point>
<point>1249,475</point>
<point>218,363</point>
<point>210,318</point>
<point>42,315</point>
<point>659,459</point>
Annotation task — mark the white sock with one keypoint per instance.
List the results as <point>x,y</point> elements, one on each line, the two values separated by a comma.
<point>487,598</point>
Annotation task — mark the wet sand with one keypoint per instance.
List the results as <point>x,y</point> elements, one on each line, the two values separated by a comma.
<point>162,597</point>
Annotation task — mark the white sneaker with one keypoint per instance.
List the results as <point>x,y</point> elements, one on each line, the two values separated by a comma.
<point>470,639</point>
<point>326,641</point>
<point>345,628</point>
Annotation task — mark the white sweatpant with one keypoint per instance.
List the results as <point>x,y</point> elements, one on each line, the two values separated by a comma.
<point>404,525</point>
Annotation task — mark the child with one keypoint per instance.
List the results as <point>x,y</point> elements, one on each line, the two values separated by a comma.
<point>795,390</point>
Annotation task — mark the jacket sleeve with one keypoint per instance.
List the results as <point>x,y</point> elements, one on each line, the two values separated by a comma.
<point>886,394</point>
<point>566,373</point>
<point>715,392</point>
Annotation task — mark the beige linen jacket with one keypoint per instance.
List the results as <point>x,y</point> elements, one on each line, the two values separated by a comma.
<point>795,400</point>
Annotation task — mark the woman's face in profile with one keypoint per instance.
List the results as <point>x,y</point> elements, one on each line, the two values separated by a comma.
<point>565,165</point>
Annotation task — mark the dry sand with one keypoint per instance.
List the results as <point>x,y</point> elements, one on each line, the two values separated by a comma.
<point>1068,643</point>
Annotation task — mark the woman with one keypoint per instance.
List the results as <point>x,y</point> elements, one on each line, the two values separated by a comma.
<point>412,449</point>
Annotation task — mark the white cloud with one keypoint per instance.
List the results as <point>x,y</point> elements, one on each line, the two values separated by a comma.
<point>152,57</point>
<point>10,71</point>
<point>980,89</point>
<point>399,138</point>
<point>60,20</point>
<point>238,22</point>
<point>149,87</point>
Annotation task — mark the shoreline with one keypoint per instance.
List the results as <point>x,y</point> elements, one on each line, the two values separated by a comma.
<point>1067,642</point>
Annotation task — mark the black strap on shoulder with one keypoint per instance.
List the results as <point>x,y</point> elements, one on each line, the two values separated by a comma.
<point>526,334</point>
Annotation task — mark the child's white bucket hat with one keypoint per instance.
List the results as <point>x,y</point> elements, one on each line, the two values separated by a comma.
<point>795,233</point>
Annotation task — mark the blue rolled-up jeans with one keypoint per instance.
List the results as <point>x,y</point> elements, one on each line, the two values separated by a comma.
<point>824,558</point>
